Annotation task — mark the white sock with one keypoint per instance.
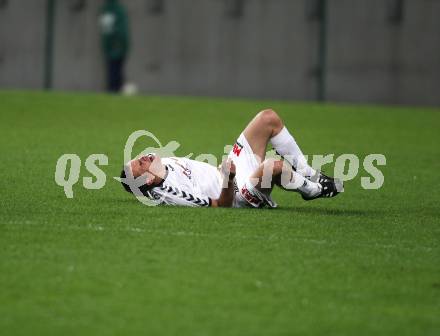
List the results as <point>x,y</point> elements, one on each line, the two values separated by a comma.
<point>301,184</point>
<point>285,145</point>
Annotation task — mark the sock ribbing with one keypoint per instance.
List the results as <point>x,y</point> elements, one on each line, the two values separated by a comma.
<point>286,146</point>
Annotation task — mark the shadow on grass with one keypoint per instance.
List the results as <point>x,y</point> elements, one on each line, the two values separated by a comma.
<point>290,209</point>
<point>332,212</point>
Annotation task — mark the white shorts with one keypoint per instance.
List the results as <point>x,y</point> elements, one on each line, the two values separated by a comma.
<point>246,164</point>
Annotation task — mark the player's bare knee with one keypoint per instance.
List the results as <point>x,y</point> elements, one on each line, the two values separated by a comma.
<point>270,118</point>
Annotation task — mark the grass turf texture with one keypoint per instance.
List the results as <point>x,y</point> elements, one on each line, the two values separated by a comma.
<point>366,262</point>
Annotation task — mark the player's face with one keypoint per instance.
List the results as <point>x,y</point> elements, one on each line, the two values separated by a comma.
<point>150,164</point>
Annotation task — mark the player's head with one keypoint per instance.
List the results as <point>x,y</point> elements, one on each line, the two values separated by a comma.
<point>143,188</point>
<point>149,167</point>
<point>148,164</point>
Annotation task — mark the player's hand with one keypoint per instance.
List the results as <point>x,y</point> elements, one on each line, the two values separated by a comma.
<point>228,169</point>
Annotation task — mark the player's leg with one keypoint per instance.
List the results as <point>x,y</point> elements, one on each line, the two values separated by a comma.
<point>255,179</point>
<point>267,127</point>
<point>277,172</point>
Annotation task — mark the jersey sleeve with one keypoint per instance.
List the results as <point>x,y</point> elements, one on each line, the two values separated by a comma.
<point>173,196</point>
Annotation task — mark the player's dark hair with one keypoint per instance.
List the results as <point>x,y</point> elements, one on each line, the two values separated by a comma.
<point>143,188</point>
<point>125,185</point>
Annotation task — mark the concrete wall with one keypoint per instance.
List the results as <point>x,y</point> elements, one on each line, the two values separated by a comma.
<point>195,48</point>
<point>271,51</point>
<point>78,61</point>
<point>22,44</point>
<point>372,59</point>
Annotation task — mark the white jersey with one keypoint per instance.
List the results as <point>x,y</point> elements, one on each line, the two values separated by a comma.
<point>194,183</point>
<point>188,183</point>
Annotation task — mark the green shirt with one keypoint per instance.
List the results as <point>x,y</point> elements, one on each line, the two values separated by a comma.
<point>114,30</point>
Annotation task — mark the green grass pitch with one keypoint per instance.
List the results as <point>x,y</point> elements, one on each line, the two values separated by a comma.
<point>364,263</point>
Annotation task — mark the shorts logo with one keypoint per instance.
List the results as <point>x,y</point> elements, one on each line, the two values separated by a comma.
<point>249,197</point>
<point>237,148</point>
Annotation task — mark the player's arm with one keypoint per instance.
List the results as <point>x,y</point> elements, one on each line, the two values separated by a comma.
<point>227,195</point>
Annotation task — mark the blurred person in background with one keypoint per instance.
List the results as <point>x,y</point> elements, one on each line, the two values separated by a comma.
<point>115,42</point>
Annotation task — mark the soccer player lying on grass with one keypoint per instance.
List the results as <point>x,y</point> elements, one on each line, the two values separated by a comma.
<point>245,179</point>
